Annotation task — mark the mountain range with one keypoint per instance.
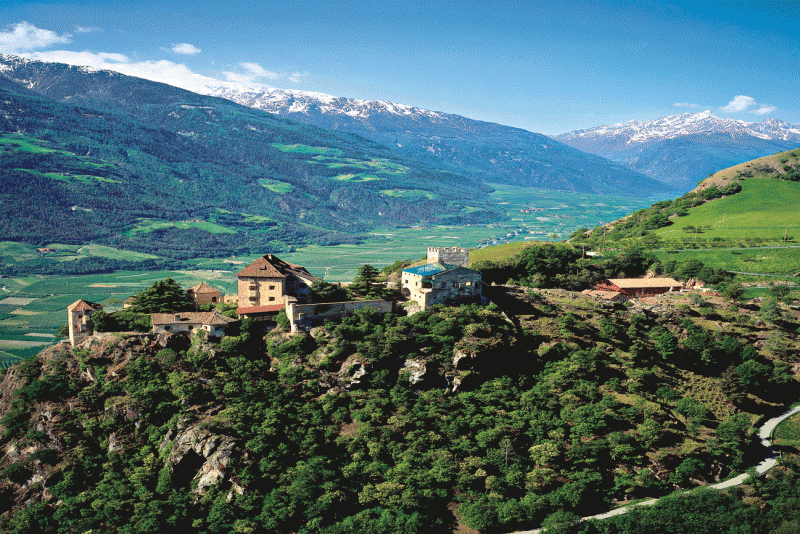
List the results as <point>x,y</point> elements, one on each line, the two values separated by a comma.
<point>98,156</point>
<point>682,149</point>
<point>490,152</point>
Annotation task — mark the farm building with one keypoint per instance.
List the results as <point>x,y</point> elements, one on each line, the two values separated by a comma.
<point>270,281</point>
<point>203,293</point>
<point>640,287</point>
<point>79,320</point>
<point>212,322</point>
<point>440,283</point>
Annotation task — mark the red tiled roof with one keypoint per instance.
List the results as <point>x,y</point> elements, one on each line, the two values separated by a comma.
<point>635,283</point>
<point>202,287</point>
<point>83,305</point>
<point>202,318</point>
<point>260,309</point>
<point>270,266</point>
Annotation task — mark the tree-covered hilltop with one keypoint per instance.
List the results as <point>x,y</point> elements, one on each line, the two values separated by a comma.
<point>388,423</point>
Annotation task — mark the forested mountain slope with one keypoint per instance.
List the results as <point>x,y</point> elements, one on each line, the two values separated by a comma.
<point>120,161</point>
<point>491,152</point>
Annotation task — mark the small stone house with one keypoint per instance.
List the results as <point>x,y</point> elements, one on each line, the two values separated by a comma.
<point>608,296</point>
<point>212,322</point>
<point>202,294</point>
<point>79,320</point>
<point>440,283</point>
<point>270,281</point>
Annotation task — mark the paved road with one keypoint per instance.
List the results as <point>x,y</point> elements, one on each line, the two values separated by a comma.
<point>769,461</point>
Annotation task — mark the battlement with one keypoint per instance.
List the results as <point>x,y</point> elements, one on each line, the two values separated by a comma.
<point>453,255</point>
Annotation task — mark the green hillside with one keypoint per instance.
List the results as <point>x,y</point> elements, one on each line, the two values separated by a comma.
<point>179,175</point>
<point>755,203</point>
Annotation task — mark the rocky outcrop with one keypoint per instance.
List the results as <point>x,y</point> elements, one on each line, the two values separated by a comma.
<point>417,370</point>
<point>196,454</point>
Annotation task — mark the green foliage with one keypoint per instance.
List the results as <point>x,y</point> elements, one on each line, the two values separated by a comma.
<point>164,296</point>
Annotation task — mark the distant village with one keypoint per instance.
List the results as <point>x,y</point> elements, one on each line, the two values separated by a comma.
<point>270,285</point>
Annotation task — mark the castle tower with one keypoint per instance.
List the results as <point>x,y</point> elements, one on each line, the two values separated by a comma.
<point>79,320</point>
<point>453,255</point>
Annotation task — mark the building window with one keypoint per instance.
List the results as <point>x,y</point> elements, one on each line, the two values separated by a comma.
<point>272,299</point>
<point>191,327</point>
<point>167,327</point>
<point>468,284</point>
<point>272,288</point>
<point>213,299</point>
<point>303,285</point>
<point>252,299</point>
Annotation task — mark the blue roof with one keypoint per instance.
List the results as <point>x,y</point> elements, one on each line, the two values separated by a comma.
<point>429,269</point>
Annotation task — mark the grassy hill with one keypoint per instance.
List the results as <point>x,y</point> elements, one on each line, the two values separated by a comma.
<point>755,203</point>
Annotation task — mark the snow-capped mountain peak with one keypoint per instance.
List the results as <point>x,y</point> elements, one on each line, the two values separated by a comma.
<point>283,101</point>
<point>682,124</point>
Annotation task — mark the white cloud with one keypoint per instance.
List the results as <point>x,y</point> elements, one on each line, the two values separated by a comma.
<point>257,71</point>
<point>164,71</point>
<point>24,37</point>
<point>764,109</point>
<point>27,40</point>
<point>236,77</point>
<point>86,29</point>
<point>742,103</point>
<point>685,105</point>
<point>739,103</point>
<point>297,77</point>
<point>185,48</point>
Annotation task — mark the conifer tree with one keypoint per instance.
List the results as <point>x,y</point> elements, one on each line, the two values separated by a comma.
<point>162,297</point>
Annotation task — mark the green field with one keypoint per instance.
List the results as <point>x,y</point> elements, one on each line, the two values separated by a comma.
<point>146,226</point>
<point>777,262</point>
<point>39,303</point>
<point>275,186</point>
<point>766,208</point>
<point>787,434</point>
<point>409,193</point>
<point>360,177</point>
<point>305,149</point>
<point>24,143</point>
<point>11,251</point>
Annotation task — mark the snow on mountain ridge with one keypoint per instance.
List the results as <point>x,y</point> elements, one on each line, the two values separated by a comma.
<point>673,126</point>
<point>297,101</point>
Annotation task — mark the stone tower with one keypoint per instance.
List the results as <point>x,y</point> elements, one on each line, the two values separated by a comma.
<point>453,255</point>
<point>79,320</point>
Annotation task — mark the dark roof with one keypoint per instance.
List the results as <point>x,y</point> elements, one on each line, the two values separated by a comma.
<point>202,287</point>
<point>270,266</point>
<point>203,318</point>
<point>83,305</point>
<point>272,308</point>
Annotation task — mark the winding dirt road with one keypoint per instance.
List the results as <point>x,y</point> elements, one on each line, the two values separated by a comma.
<point>769,461</point>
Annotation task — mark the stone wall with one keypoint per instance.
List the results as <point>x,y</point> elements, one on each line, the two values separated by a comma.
<point>306,316</point>
<point>453,255</point>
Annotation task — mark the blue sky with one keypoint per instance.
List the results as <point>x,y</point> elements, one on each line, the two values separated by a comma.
<point>546,66</point>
